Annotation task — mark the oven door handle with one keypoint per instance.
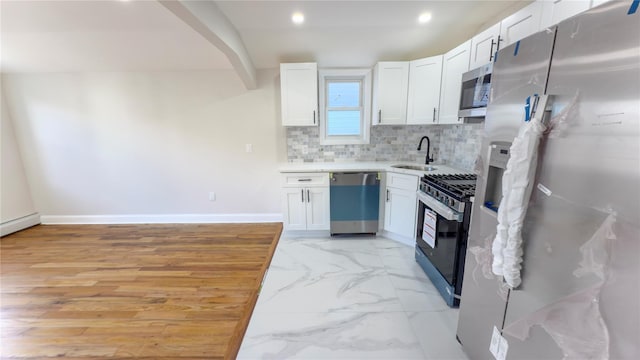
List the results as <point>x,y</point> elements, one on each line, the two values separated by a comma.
<point>439,208</point>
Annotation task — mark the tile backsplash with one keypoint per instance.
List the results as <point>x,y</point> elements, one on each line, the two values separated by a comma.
<point>460,145</point>
<point>456,145</point>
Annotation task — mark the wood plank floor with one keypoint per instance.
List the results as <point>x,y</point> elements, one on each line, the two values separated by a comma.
<point>131,291</point>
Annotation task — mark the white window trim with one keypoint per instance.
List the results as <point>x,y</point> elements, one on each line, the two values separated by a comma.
<point>345,74</point>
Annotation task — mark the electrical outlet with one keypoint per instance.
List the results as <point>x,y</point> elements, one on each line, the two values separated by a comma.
<point>212,196</point>
<point>248,148</point>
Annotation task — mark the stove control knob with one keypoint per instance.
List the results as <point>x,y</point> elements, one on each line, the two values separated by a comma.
<point>452,202</point>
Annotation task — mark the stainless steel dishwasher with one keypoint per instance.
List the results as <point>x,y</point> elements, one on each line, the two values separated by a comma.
<point>354,199</point>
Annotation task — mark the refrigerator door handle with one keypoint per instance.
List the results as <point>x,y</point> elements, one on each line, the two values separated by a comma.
<point>534,103</point>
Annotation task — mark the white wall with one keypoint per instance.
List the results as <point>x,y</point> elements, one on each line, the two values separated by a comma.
<point>148,143</point>
<point>15,196</point>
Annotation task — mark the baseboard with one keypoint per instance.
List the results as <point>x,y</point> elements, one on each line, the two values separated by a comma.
<point>160,219</point>
<point>399,238</point>
<point>18,224</point>
<point>305,233</point>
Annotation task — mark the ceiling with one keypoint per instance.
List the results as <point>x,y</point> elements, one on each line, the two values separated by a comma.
<point>69,36</point>
<point>115,35</point>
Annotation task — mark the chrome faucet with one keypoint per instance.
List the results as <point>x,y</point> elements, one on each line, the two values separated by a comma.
<point>428,159</point>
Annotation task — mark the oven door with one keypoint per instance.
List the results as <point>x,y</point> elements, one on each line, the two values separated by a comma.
<point>446,227</point>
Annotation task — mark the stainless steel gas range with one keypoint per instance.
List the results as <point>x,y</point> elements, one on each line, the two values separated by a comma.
<point>444,212</point>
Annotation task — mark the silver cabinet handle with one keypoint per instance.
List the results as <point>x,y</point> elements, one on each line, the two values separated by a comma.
<point>314,116</point>
<point>304,180</point>
<point>302,193</point>
<point>491,50</point>
<point>379,116</point>
<point>308,197</point>
<point>492,56</point>
<point>434,114</point>
<point>387,195</point>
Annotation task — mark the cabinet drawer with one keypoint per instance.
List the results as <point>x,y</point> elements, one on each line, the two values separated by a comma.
<point>402,181</point>
<point>305,179</point>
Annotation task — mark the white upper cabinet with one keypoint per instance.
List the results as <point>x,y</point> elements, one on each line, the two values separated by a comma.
<point>484,46</point>
<point>521,24</point>
<point>390,88</point>
<point>554,11</point>
<point>455,63</point>
<point>425,77</point>
<point>299,94</point>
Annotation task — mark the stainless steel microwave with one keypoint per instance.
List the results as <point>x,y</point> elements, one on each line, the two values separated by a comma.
<point>474,94</point>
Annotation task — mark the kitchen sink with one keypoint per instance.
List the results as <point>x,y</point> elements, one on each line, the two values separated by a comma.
<point>415,167</point>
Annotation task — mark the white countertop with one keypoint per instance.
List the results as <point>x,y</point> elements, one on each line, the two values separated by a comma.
<point>386,166</point>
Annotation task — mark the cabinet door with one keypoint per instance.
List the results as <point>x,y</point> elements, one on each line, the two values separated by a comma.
<point>425,77</point>
<point>390,80</point>
<point>455,63</point>
<point>402,181</point>
<point>483,46</point>
<point>521,24</point>
<point>294,207</point>
<point>299,94</point>
<point>317,208</point>
<point>400,212</point>
<point>554,11</point>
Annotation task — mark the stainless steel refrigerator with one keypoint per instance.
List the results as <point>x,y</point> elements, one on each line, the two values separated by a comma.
<point>580,292</point>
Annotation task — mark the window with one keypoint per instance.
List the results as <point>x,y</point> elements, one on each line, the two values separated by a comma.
<point>344,106</point>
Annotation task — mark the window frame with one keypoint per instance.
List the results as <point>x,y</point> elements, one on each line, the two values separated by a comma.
<point>342,75</point>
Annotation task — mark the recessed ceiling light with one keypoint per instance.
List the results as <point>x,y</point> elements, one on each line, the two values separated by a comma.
<point>297,18</point>
<point>424,18</point>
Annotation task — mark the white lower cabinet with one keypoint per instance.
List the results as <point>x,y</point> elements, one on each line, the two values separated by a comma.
<point>317,208</point>
<point>295,209</point>
<point>401,204</point>
<point>400,211</point>
<point>305,199</point>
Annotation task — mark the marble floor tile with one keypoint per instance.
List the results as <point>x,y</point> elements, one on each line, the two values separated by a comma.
<point>310,291</point>
<point>330,336</point>
<point>326,255</point>
<point>437,334</point>
<point>404,266</point>
<point>349,298</point>
<point>416,293</point>
<point>389,248</point>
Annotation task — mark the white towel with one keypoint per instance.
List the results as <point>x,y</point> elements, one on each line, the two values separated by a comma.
<point>517,184</point>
